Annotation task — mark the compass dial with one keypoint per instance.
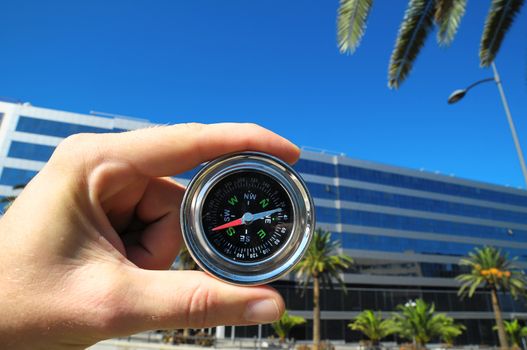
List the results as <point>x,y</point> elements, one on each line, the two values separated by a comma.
<point>247,216</point>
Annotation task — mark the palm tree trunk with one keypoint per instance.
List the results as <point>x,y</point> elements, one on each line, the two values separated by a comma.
<point>316,313</point>
<point>499,321</point>
<point>186,334</point>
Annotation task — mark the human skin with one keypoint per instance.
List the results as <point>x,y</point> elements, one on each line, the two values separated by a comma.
<point>84,246</point>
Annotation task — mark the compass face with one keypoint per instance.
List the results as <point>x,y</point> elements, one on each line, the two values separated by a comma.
<point>247,216</point>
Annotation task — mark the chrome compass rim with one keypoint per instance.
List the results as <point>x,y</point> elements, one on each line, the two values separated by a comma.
<point>238,272</point>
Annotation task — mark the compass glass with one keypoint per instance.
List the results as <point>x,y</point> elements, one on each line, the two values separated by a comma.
<point>247,216</point>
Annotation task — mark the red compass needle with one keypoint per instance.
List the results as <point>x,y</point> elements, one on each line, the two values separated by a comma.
<point>236,222</point>
<point>247,218</point>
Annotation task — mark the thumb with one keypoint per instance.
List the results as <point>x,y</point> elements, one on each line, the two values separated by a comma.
<point>192,299</point>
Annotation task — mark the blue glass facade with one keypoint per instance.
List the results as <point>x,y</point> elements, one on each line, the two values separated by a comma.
<point>56,128</point>
<point>410,182</point>
<point>422,184</point>
<point>429,205</point>
<point>390,209</point>
<point>354,240</point>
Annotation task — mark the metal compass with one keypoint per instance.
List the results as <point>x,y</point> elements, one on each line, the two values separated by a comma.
<point>247,218</point>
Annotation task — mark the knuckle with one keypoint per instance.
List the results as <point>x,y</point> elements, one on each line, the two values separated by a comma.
<point>74,141</point>
<point>110,305</point>
<point>78,149</point>
<point>199,307</point>
<point>72,145</point>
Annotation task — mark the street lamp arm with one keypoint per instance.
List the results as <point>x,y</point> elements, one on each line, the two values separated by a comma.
<point>479,82</point>
<point>457,95</point>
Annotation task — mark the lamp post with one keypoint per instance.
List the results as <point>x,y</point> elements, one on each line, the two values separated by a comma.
<point>459,94</point>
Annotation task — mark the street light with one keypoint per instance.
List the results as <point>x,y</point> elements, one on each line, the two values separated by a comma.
<point>456,96</point>
<point>459,94</point>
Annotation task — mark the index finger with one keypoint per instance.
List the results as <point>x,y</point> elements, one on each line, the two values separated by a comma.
<point>170,150</point>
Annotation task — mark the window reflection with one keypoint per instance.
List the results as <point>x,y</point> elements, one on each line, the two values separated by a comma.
<point>14,177</point>
<point>393,179</point>
<point>30,151</point>
<point>55,128</point>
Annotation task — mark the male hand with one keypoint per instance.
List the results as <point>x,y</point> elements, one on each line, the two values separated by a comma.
<point>82,246</point>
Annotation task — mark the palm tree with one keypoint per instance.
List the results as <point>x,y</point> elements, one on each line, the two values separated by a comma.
<point>372,326</point>
<point>186,262</point>
<point>418,322</point>
<point>283,326</point>
<point>419,19</point>
<point>322,264</point>
<point>494,271</point>
<point>515,332</point>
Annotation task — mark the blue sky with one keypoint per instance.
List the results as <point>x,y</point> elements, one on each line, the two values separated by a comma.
<point>274,63</point>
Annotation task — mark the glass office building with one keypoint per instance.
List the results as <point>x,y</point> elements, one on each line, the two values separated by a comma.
<point>405,229</point>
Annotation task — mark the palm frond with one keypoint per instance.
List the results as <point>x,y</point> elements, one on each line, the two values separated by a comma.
<point>448,15</point>
<point>351,23</point>
<point>185,260</point>
<point>283,326</point>
<point>372,325</point>
<point>499,19</point>
<point>417,22</point>
<point>420,322</point>
<point>491,268</point>
<point>323,260</point>
<point>515,332</point>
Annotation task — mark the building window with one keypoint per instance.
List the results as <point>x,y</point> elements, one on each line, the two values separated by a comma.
<point>322,191</point>
<point>411,223</point>
<point>327,215</point>
<point>401,245</point>
<point>315,168</point>
<point>30,151</point>
<point>398,180</point>
<point>427,204</point>
<point>57,129</point>
<point>15,177</point>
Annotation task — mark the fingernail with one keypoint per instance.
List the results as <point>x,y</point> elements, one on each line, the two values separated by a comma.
<point>262,311</point>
